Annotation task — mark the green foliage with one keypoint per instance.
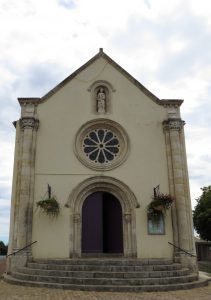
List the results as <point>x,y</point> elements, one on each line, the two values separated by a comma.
<point>160,202</point>
<point>49,206</point>
<point>202,214</point>
<point>165,200</point>
<point>3,248</point>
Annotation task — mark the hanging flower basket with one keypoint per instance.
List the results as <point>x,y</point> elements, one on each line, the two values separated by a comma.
<point>49,206</point>
<point>160,203</point>
<point>158,207</point>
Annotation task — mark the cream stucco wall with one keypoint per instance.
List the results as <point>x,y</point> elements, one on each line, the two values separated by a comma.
<point>56,163</point>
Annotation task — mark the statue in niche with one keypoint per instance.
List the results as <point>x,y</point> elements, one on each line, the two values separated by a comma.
<point>101,101</point>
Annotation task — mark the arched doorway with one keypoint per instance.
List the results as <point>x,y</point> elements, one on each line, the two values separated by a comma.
<point>102,230</point>
<point>126,199</point>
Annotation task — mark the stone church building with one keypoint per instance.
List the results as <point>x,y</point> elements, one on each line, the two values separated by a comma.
<point>102,145</point>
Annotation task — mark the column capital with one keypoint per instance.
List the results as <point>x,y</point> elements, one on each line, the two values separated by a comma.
<point>173,124</point>
<point>29,123</point>
<point>77,218</point>
<point>127,217</point>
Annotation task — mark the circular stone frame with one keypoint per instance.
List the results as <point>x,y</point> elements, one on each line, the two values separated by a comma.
<point>103,124</point>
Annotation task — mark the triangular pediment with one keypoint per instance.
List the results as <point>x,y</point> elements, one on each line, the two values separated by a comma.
<point>102,54</point>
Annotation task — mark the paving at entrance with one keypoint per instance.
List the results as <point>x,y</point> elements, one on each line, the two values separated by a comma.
<point>13,292</point>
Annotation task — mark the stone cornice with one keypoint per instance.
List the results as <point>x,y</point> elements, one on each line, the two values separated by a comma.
<point>29,123</point>
<point>171,102</point>
<point>25,101</point>
<point>173,124</point>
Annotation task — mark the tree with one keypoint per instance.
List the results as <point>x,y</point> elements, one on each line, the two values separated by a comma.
<point>3,248</point>
<point>202,214</point>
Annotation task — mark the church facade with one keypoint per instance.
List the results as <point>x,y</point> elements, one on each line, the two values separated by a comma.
<point>102,146</point>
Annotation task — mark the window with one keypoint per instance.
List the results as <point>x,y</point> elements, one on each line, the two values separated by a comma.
<point>101,144</point>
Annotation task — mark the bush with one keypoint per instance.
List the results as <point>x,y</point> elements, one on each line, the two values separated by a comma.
<point>3,248</point>
<point>202,214</point>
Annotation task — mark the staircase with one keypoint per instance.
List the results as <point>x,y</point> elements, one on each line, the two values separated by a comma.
<point>106,274</point>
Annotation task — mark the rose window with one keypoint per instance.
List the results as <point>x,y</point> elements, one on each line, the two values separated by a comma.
<point>101,146</point>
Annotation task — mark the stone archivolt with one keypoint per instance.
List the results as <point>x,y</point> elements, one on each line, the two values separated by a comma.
<point>127,201</point>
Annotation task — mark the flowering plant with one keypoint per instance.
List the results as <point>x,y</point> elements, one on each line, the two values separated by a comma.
<point>49,206</point>
<point>160,202</point>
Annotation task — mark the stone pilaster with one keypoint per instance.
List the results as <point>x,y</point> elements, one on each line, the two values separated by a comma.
<point>23,202</point>
<point>15,193</point>
<point>28,125</point>
<point>171,188</point>
<point>178,181</point>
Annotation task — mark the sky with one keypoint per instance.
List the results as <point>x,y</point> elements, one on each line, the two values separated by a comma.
<point>164,44</point>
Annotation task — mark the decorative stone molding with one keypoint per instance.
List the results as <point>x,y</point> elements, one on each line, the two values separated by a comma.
<point>174,124</point>
<point>29,100</point>
<point>77,218</point>
<point>173,110</point>
<point>101,144</point>
<point>128,204</point>
<point>99,83</point>
<point>127,217</point>
<point>29,123</point>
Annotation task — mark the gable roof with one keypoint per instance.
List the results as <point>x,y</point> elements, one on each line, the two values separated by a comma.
<point>102,54</point>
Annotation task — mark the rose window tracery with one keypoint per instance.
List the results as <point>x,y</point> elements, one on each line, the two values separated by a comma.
<point>101,146</point>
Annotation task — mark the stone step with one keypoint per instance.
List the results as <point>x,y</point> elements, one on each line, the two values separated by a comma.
<point>125,288</point>
<point>103,274</point>
<point>106,281</point>
<point>106,262</point>
<point>103,267</point>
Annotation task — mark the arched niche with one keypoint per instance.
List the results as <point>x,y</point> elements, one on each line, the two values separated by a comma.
<point>108,89</point>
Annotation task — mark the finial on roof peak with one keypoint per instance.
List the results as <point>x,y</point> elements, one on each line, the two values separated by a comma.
<point>101,50</point>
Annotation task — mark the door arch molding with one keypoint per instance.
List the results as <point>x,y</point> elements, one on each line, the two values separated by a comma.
<point>128,203</point>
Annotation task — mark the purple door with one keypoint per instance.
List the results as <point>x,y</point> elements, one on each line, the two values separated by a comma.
<point>102,224</point>
<point>92,224</point>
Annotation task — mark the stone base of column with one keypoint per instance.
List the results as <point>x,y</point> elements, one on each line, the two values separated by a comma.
<point>17,260</point>
<point>176,256</point>
<point>189,262</point>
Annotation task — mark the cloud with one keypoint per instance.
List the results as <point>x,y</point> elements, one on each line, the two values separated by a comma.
<point>147,2</point>
<point>198,141</point>
<point>38,79</point>
<point>69,4</point>
<point>6,166</point>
